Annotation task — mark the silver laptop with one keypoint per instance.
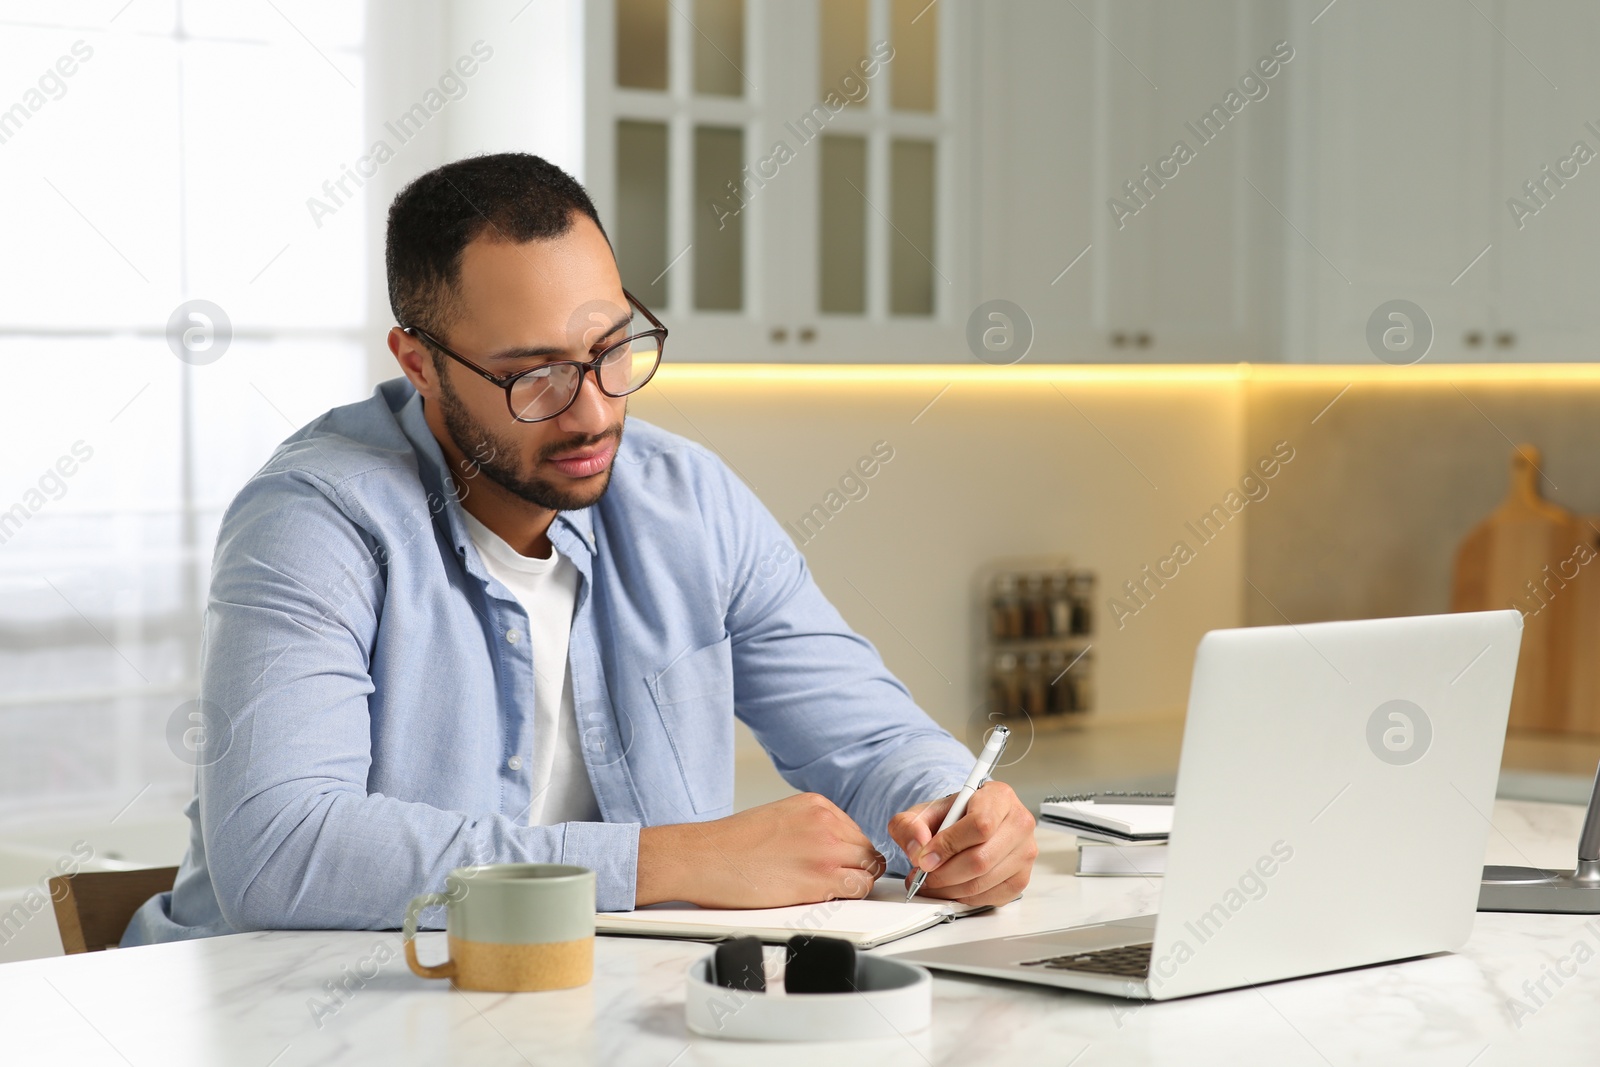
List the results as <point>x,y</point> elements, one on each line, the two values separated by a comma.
<point>1332,811</point>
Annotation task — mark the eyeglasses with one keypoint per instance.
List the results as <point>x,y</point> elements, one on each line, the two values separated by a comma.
<point>545,391</point>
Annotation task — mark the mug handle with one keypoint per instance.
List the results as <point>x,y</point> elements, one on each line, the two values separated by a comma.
<point>447,969</point>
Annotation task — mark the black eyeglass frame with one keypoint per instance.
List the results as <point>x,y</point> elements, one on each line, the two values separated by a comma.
<point>506,382</point>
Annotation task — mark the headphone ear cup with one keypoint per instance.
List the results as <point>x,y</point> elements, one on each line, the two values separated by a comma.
<point>737,965</point>
<point>819,965</point>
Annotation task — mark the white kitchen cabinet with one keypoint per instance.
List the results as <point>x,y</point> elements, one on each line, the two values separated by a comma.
<point>1377,167</point>
<point>1417,123</point>
<point>1188,268</point>
<point>1391,149</point>
<point>787,181</point>
<point>1374,164</point>
<point>1035,147</point>
<point>1078,101</point>
<point>1546,256</point>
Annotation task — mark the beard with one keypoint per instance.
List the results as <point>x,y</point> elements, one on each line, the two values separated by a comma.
<point>497,456</point>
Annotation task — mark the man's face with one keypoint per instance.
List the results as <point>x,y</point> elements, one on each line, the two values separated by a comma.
<point>522,305</point>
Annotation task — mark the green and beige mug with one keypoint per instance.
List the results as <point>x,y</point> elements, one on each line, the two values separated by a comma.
<point>512,927</point>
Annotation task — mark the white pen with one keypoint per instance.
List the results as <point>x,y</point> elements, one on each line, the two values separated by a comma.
<point>987,760</point>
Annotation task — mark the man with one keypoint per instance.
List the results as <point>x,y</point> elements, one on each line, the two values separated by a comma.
<point>469,620</point>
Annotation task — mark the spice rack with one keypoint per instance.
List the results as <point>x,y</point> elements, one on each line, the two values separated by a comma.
<point>1036,662</point>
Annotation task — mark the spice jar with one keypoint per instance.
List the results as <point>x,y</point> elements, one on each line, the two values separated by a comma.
<point>1080,587</point>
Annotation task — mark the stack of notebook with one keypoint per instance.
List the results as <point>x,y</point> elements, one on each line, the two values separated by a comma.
<point>1118,833</point>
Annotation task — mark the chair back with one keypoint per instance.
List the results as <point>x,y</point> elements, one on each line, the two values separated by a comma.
<point>93,907</point>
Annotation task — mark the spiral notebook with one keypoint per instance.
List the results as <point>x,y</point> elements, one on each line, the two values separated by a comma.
<point>881,917</point>
<point>1111,816</point>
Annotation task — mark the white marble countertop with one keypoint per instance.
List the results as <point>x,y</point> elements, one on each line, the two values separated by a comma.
<point>251,999</point>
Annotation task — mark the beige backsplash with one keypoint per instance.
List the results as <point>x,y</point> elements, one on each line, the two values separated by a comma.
<point>1113,471</point>
<point>1391,479</point>
<point>1106,474</point>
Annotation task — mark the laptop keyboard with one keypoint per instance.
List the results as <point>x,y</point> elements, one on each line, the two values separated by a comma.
<point>1129,961</point>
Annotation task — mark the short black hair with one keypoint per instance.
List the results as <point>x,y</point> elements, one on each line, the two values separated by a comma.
<point>520,197</point>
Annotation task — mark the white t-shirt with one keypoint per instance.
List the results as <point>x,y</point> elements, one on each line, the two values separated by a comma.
<point>547,589</point>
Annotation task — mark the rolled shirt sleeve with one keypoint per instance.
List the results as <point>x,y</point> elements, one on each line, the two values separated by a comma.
<point>816,694</point>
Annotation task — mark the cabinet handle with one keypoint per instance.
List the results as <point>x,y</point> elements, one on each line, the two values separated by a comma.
<point>807,333</point>
<point>1505,338</point>
<point>1473,338</point>
<point>1142,339</point>
<point>779,334</point>
<point>1119,340</point>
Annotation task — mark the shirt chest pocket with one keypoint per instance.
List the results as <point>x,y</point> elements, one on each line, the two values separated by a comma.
<point>694,697</point>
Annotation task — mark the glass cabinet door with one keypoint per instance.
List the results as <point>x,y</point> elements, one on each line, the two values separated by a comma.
<point>677,91</point>
<point>778,176</point>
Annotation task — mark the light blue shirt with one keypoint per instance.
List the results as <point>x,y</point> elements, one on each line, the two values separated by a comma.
<point>378,684</point>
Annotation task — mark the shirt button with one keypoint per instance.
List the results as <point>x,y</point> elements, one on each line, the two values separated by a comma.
<point>513,636</point>
<point>515,763</point>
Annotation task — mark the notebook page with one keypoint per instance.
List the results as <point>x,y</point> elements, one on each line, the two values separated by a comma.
<point>880,916</point>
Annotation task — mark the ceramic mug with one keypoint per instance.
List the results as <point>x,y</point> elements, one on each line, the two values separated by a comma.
<point>512,927</point>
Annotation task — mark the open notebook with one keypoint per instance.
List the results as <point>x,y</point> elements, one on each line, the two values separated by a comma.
<point>882,917</point>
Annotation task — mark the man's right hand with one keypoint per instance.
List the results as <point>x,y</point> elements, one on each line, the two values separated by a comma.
<point>798,850</point>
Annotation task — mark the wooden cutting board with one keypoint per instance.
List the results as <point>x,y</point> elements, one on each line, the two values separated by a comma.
<point>1530,554</point>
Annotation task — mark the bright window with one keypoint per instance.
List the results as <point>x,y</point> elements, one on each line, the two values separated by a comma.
<point>153,154</point>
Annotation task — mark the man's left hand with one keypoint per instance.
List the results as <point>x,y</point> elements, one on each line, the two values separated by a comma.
<point>986,857</point>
